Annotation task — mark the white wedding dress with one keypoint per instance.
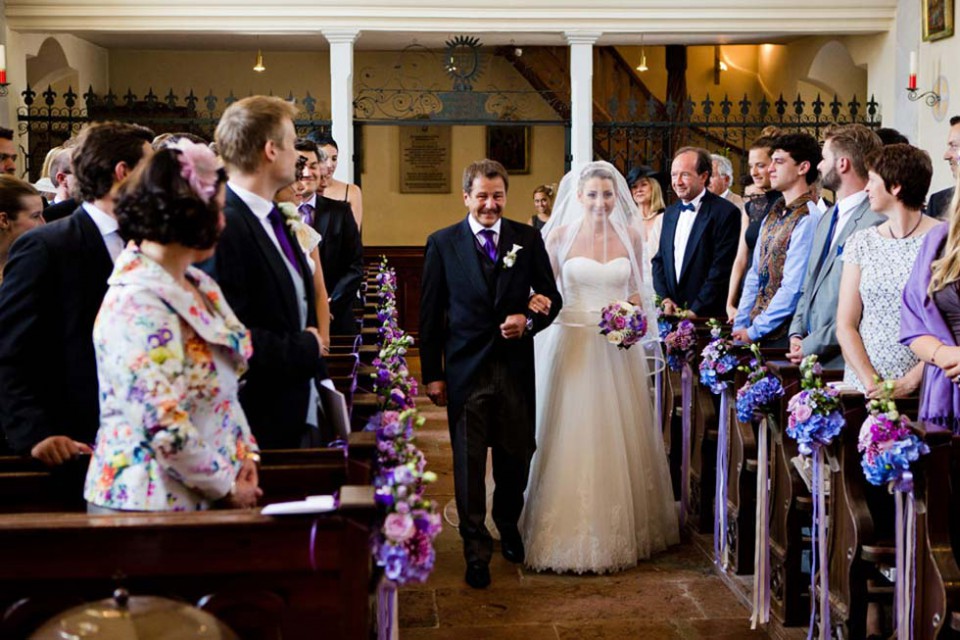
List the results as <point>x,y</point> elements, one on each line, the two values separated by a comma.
<point>599,496</point>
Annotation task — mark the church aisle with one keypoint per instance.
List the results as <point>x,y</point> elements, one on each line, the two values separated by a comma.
<point>675,595</point>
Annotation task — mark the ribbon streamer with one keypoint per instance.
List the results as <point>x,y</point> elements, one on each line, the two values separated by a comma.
<point>906,565</point>
<point>387,615</point>
<point>723,464</point>
<point>761,550</point>
<point>818,537</point>
<point>686,395</point>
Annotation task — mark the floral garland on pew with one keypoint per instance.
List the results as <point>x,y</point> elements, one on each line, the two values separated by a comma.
<point>815,420</point>
<point>403,546</point>
<point>759,393</point>
<point>718,364</point>
<point>889,448</point>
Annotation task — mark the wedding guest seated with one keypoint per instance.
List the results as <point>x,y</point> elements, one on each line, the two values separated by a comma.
<point>930,320</point>
<point>843,170</point>
<point>170,351</point>
<point>338,190</point>
<point>648,196</point>
<point>772,287</point>
<point>876,265</point>
<point>21,209</point>
<point>53,284</point>
<point>542,197</point>
<point>761,199</point>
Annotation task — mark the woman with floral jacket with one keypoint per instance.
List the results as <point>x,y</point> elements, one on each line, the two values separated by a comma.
<point>170,352</point>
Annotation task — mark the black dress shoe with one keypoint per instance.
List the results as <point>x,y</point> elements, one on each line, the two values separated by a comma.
<point>478,575</point>
<point>513,550</point>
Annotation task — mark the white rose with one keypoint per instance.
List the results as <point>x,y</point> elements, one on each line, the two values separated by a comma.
<point>615,337</point>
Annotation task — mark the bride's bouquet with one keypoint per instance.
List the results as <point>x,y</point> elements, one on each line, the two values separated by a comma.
<point>623,324</point>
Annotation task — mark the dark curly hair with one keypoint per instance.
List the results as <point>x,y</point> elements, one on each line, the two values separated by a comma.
<point>101,146</point>
<point>155,203</point>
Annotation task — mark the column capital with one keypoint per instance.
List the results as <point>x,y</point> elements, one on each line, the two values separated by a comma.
<point>582,37</point>
<point>341,36</point>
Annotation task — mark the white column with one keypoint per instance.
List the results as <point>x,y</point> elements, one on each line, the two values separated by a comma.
<point>341,96</point>
<point>581,94</point>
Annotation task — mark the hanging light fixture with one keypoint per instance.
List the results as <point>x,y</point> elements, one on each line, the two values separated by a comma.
<point>643,57</point>
<point>258,67</point>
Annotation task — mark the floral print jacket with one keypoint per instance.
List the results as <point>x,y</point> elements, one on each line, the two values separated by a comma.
<point>172,433</point>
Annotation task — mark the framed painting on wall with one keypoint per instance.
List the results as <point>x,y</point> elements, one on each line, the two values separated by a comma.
<point>510,146</point>
<point>937,19</point>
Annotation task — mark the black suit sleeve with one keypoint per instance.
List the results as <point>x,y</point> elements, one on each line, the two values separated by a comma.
<point>285,354</point>
<point>726,236</point>
<point>351,252</point>
<point>544,283</point>
<point>656,267</point>
<point>22,416</point>
<point>434,298</point>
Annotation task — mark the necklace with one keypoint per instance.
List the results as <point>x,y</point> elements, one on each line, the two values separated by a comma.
<point>910,233</point>
<point>652,215</point>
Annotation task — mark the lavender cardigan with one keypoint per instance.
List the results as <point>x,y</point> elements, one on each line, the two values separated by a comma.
<point>940,397</point>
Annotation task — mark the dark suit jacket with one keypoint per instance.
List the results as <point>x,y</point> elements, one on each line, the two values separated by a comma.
<point>707,261</point>
<point>341,255</point>
<point>60,210</point>
<point>256,282</point>
<point>53,285</point>
<point>939,203</point>
<point>460,315</point>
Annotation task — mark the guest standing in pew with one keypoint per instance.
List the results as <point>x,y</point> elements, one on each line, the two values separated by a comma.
<point>772,287</point>
<point>336,190</point>
<point>647,195</point>
<point>876,265</point>
<point>938,204</point>
<point>265,276</point>
<point>21,209</point>
<point>53,285</point>
<point>170,351</point>
<point>843,170</point>
<point>699,240</point>
<point>542,197</point>
<point>756,207</point>
<point>930,320</point>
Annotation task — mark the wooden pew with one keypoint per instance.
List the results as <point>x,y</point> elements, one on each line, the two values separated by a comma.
<point>297,577</point>
<point>703,453</point>
<point>27,486</point>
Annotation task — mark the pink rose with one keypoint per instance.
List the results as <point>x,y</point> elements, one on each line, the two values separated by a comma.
<point>398,527</point>
<point>802,413</point>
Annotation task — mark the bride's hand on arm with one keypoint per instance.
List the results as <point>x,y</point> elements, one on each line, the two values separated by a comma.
<point>539,304</point>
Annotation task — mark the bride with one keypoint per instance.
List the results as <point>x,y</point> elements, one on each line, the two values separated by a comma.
<point>599,496</point>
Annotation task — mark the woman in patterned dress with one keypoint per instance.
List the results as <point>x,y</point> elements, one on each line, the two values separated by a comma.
<point>877,265</point>
<point>170,352</point>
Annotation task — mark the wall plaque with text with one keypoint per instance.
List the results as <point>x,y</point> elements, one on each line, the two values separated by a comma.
<point>424,159</point>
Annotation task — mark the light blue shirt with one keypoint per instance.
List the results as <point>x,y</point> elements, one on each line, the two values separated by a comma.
<point>784,301</point>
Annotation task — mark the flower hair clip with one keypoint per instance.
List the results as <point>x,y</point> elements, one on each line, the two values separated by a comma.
<point>198,166</point>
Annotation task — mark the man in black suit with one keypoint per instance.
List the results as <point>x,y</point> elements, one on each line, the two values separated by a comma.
<point>938,203</point>
<point>61,175</point>
<point>53,285</point>
<point>476,350</point>
<point>265,277</point>
<point>8,152</point>
<point>698,243</point>
<point>341,252</point>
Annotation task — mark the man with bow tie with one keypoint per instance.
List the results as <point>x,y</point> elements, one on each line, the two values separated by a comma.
<point>698,244</point>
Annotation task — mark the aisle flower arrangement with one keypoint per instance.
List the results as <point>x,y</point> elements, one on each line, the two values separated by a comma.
<point>623,324</point>
<point>887,445</point>
<point>681,343</point>
<point>761,390</point>
<point>815,416</point>
<point>718,364</point>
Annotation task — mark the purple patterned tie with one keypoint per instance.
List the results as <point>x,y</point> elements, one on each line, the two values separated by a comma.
<point>279,229</point>
<point>306,212</point>
<point>488,246</point>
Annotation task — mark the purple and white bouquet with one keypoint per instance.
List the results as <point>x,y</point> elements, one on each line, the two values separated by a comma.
<point>815,416</point>
<point>761,390</point>
<point>887,445</point>
<point>680,345</point>
<point>623,324</point>
<point>392,382</point>
<point>718,365</point>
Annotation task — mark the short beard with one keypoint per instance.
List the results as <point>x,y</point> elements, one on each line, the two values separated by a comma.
<point>831,179</point>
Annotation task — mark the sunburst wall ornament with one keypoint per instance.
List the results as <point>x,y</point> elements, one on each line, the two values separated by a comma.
<point>463,61</point>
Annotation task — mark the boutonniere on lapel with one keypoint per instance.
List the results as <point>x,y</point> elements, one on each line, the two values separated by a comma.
<point>510,257</point>
<point>307,237</point>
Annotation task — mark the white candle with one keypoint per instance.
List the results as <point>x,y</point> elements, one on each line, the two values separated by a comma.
<point>3,57</point>
<point>913,63</point>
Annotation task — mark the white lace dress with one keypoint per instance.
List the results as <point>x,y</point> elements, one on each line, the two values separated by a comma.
<point>599,497</point>
<point>885,266</point>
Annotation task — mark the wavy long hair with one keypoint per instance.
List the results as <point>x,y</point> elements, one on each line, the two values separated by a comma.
<point>946,269</point>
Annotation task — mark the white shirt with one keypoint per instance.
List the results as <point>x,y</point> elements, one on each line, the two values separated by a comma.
<point>108,227</point>
<point>476,228</point>
<point>682,235</point>
<point>845,208</point>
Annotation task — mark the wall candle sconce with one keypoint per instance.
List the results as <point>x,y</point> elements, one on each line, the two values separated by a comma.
<point>3,71</point>
<point>930,98</point>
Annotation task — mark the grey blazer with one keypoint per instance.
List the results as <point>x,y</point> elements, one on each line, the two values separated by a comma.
<point>816,317</point>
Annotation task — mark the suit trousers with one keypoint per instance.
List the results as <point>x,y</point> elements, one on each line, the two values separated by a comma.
<point>494,406</point>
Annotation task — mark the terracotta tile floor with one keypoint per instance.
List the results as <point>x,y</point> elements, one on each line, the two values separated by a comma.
<point>674,595</point>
